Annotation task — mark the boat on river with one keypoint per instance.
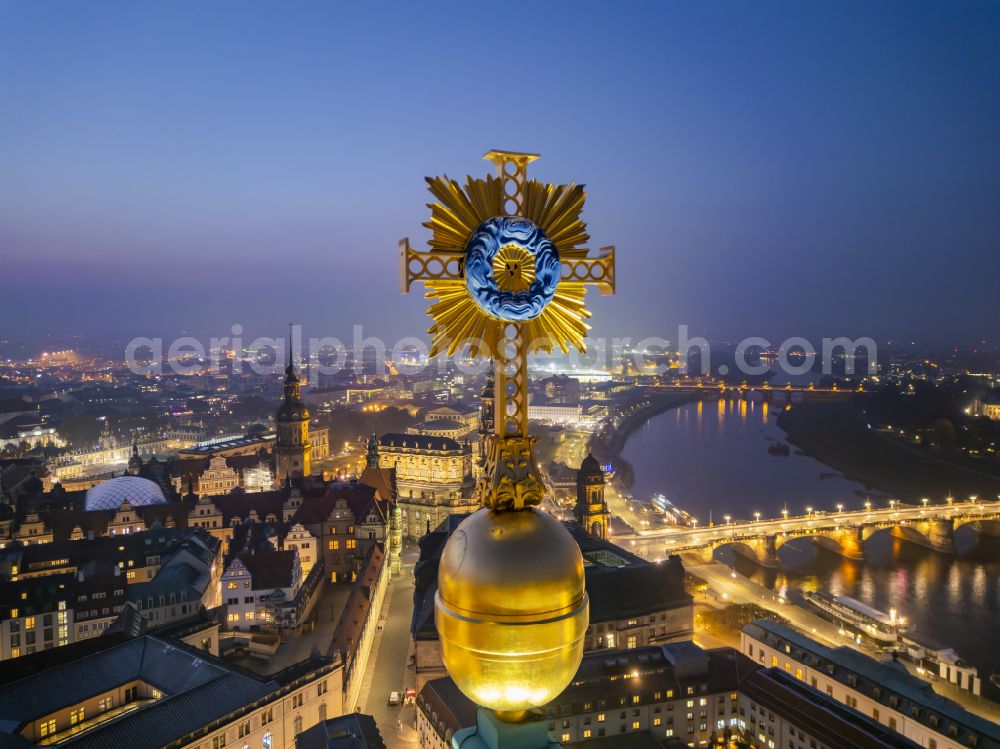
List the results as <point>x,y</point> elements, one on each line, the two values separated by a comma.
<point>858,617</point>
<point>671,512</point>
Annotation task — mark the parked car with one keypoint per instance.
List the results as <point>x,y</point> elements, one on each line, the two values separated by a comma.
<point>393,698</point>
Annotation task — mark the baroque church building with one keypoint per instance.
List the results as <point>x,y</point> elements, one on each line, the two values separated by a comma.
<point>591,509</point>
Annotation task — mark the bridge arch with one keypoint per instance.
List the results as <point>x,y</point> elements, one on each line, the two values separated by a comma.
<point>759,549</point>
<point>978,528</point>
<point>904,531</point>
<point>845,541</point>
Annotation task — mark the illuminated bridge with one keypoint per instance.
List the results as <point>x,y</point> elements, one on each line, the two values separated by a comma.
<point>765,391</point>
<point>929,525</point>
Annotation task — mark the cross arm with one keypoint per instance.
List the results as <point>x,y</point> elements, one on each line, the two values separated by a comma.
<point>598,270</point>
<point>435,265</point>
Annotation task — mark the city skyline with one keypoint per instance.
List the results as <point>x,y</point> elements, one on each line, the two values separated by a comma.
<point>811,171</point>
<point>312,437</point>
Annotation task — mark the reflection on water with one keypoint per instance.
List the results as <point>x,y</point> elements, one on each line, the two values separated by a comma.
<point>953,599</point>
<point>713,457</point>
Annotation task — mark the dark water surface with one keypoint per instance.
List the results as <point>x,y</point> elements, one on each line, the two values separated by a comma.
<point>712,457</point>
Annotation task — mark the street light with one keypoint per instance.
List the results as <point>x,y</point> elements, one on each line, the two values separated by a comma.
<point>925,501</point>
<point>840,507</point>
<point>892,504</point>
<point>809,511</point>
<point>868,505</point>
<point>756,516</point>
<point>728,519</point>
<point>784,514</point>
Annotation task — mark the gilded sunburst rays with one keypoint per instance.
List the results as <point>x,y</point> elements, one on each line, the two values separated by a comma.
<point>455,215</point>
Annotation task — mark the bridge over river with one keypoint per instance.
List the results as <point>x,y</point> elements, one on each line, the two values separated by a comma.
<point>767,393</point>
<point>930,525</point>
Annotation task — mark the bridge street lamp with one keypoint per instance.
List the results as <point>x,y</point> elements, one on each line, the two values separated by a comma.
<point>840,507</point>
<point>757,516</point>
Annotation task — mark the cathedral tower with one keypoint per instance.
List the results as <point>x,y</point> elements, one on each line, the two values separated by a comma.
<point>591,509</point>
<point>292,449</point>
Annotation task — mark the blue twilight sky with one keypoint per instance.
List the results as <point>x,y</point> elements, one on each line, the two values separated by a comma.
<point>810,168</point>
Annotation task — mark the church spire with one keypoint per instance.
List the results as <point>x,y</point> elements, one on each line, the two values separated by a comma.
<point>372,459</point>
<point>290,369</point>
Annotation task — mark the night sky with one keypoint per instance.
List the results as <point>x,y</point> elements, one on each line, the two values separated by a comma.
<point>774,169</point>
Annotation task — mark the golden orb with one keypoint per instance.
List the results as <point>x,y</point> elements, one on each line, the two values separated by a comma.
<point>511,608</point>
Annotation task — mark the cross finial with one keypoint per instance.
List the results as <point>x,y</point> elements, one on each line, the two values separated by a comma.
<point>508,269</point>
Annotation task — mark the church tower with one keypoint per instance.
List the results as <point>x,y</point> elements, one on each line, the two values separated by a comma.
<point>292,449</point>
<point>371,460</point>
<point>135,462</point>
<point>591,510</point>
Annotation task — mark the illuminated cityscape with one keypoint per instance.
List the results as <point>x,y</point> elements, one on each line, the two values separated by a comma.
<point>345,407</point>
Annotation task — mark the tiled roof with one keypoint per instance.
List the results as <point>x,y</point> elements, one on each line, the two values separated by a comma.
<point>418,442</point>
<point>197,690</point>
<point>819,714</point>
<point>347,635</point>
<point>270,569</point>
<point>352,731</point>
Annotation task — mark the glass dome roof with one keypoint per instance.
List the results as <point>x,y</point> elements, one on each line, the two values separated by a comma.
<point>109,495</point>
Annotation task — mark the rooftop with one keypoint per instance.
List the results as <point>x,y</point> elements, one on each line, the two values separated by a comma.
<point>879,680</point>
<point>351,731</point>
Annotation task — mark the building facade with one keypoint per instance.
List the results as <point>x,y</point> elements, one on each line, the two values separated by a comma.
<point>675,695</point>
<point>433,479</point>
<point>880,691</point>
